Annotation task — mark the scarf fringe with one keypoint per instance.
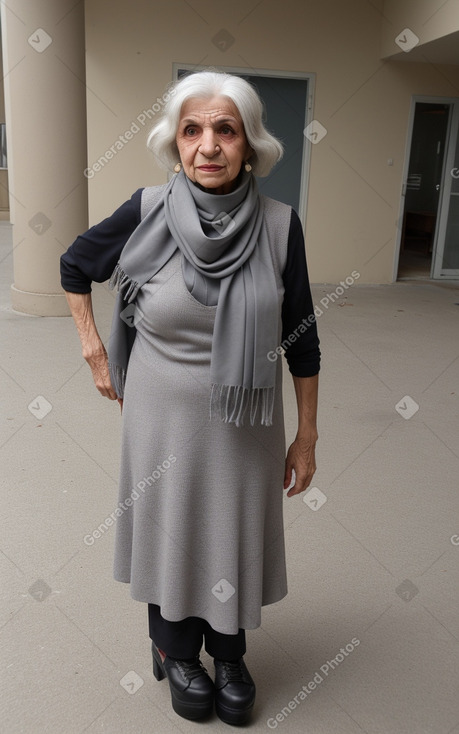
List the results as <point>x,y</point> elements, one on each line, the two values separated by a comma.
<point>123,283</point>
<point>231,403</point>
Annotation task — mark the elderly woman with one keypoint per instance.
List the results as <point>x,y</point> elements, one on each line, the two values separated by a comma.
<point>211,280</point>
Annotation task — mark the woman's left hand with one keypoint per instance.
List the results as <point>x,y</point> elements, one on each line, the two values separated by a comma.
<point>301,458</point>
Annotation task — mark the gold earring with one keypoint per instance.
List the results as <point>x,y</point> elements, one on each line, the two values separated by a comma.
<point>248,167</point>
<point>178,167</point>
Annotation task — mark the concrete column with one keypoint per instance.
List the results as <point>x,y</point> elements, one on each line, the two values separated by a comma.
<point>45,95</point>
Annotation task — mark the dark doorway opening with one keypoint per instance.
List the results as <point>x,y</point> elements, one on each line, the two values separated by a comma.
<point>422,196</point>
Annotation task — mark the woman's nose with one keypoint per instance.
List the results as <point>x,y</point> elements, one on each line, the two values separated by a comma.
<point>208,143</point>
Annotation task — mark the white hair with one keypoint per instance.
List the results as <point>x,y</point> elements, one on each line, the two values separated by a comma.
<point>206,84</point>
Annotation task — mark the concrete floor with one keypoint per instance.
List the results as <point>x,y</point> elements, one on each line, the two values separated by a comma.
<point>373,570</point>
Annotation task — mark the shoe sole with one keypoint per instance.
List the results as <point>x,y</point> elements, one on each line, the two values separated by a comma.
<point>236,717</point>
<point>189,710</point>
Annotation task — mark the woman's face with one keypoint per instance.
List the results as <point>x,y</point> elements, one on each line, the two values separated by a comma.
<point>211,142</point>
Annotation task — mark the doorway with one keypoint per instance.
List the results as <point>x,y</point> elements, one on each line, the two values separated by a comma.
<point>429,238</point>
<point>422,189</point>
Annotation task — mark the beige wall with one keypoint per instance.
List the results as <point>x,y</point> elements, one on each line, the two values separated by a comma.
<point>428,19</point>
<point>363,102</point>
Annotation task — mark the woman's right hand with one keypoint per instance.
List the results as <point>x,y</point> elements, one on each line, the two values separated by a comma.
<point>92,346</point>
<point>98,362</point>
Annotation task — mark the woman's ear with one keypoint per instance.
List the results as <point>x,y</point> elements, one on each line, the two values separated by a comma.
<point>248,154</point>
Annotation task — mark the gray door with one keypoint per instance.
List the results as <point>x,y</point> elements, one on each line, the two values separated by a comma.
<point>285,104</point>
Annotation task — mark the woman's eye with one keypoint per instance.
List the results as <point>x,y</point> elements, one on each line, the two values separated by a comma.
<point>190,131</point>
<point>226,130</point>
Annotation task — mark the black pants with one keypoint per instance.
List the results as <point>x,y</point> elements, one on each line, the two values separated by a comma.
<point>183,640</point>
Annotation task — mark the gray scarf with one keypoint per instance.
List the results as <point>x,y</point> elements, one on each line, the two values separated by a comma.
<point>222,237</point>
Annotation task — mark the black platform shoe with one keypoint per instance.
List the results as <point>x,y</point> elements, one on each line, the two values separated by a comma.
<point>234,691</point>
<point>192,690</point>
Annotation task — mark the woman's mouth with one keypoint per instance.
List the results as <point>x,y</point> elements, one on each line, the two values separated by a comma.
<point>210,168</point>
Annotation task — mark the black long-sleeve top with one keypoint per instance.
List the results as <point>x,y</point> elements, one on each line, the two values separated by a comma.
<point>94,255</point>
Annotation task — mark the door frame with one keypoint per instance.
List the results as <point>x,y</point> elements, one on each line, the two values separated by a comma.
<point>429,99</point>
<point>445,199</point>
<point>308,114</point>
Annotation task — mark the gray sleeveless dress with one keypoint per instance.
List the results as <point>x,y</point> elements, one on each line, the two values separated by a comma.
<point>201,532</point>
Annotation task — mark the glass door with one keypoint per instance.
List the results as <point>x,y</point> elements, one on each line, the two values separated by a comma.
<point>446,248</point>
